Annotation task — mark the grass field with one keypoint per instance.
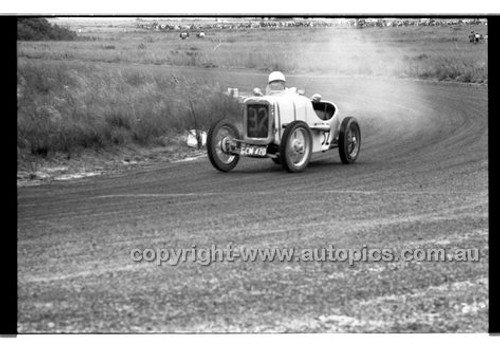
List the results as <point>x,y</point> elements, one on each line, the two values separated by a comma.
<point>442,53</point>
<point>71,99</point>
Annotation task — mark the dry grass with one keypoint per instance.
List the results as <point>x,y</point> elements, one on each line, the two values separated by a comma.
<point>67,106</point>
<point>440,53</point>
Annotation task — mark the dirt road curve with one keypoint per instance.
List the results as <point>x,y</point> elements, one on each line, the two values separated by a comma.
<point>420,181</point>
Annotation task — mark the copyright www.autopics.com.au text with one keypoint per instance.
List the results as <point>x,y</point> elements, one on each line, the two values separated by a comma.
<point>231,253</point>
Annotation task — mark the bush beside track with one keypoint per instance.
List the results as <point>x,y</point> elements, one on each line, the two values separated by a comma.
<point>67,107</point>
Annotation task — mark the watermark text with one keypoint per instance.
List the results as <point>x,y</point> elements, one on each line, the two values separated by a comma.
<point>231,253</point>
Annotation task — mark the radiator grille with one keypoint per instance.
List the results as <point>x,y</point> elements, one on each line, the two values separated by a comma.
<point>257,120</point>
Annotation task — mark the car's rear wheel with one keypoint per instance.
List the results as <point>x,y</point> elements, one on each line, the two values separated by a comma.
<point>349,140</point>
<point>296,147</point>
<point>218,133</point>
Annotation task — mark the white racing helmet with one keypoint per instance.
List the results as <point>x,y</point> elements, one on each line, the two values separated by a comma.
<point>276,76</point>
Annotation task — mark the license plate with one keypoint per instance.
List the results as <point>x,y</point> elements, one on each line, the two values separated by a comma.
<point>252,150</point>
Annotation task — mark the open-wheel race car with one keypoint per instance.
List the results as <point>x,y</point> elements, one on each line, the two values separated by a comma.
<point>286,127</point>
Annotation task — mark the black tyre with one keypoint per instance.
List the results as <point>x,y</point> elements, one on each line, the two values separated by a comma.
<point>349,140</point>
<point>296,147</point>
<point>216,134</point>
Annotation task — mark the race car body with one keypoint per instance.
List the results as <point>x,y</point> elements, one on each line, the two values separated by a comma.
<point>265,119</point>
<point>286,127</point>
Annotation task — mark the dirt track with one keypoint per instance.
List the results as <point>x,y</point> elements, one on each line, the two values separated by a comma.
<point>421,180</point>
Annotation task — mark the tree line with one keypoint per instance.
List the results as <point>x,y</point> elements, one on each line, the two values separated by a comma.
<point>38,29</point>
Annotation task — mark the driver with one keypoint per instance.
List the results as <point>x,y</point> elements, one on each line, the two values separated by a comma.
<point>276,85</point>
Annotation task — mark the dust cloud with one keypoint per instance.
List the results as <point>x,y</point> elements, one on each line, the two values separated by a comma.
<point>357,69</point>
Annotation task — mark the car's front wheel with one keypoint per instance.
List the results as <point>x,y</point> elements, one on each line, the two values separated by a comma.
<point>296,147</point>
<point>217,136</point>
<point>349,140</point>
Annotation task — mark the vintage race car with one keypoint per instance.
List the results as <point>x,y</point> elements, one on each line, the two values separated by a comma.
<point>286,127</point>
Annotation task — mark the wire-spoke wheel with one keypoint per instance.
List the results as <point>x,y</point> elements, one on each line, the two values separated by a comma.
<point>349,140</point>
<point>296,146</point>
<point>219,133</point>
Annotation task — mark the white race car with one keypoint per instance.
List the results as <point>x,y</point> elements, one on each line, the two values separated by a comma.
<point>287,128</point>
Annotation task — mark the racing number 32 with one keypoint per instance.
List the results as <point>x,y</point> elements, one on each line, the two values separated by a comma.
<point>258,120</point>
